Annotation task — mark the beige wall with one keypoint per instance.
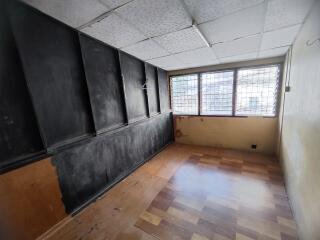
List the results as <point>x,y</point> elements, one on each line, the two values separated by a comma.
<point>228,132</point>
<point>300,139</point>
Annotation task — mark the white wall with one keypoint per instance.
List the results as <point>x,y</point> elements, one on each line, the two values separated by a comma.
<point>300,138</point>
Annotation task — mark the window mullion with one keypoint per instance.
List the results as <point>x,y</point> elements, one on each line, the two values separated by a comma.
<point>234,92</point>
<point>199,94</point>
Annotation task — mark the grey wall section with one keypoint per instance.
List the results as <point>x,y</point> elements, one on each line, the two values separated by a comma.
<point>163,90</point>
<point>105,84</point>
<point>300,138</point>
<point>153,89</point>
<point>19,135</point>
<point>134,79</point>
<point>87,169</point>
<point>52,62</point>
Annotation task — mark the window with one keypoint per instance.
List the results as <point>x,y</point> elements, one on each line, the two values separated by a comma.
<point>216,93</point>
<point>257,91</point>
<point>184,94</point>
<point>254,92</point>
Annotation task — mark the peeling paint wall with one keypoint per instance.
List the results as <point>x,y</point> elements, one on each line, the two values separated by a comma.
<point>228,132</point>
<point>300,139</point>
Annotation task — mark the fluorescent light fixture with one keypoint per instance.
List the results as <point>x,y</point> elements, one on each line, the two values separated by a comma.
<point>195,27</point>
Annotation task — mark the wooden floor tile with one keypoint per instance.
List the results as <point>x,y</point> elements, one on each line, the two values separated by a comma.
<point>239,236</point>
<point>193,193</point>
<point>182,215</point>
<point>196,236</point>
<point>149,217</point>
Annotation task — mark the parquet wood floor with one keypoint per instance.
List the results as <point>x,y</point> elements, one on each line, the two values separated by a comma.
<point>194,193</point>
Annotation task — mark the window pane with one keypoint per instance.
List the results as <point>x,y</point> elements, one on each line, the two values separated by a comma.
<point>257,91</point>
<point>216,93</point>
<point>184,94</point>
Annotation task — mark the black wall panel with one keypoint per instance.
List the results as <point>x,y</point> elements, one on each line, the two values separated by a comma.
<point>19,135</point>
<point>163,90</point>
<point>134,84</point>
<point>104,83</point>
<point>152,89</point>
<point>86,169</point>
<point>52,62</point>
<point>65,95</point>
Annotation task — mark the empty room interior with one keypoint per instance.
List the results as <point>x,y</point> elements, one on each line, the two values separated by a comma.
<point>160,119</point>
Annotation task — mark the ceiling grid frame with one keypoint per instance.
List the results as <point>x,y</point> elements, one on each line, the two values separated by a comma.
<point>195,22</point>
<point>236,4</point>
<point>266,2</point>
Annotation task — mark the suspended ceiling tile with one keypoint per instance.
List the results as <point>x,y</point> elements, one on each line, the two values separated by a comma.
<point>72,12</point>
<point>237,47</point>
<point>206,10</point>
<point>248,22</point>
<point>201,56</point>
<point>275,52</point>
<point>145,50</point>
<point>279,38</point>
<point>166,62</point>
<point>114,31</point>
<point>114,3</point>
<point>154,17</point>
<point>283,13</point>
<point>240,58</point>
<point>179,67</point>
<point>181,41</point>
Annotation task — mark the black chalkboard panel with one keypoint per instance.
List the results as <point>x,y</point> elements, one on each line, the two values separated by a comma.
<point>88,168</point>
<point>52,61</point>
<point>104,82</point>
<point>19,134</point>
<point>152,89</point>
<point>134,83</point>
<point>163,90</point>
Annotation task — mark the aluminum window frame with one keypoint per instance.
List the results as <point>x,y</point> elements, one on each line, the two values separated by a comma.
<point>197,97</point>
<point>234,93</point>
<point>233,81</point>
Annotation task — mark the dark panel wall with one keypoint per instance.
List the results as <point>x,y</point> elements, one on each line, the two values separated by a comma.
<point>19,133</point>
<point>163,91</point>
<point>86,169</point>
<point>62,93</point>
<point>104,83</point>
<point>134,83</point>
<point>52,61</point>
<point>152,89</point>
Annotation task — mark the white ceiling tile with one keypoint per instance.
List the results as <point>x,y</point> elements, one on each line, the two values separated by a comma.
<point>248,22</point>
<point>283,13</point>
<point>154,17</point>
<point>206,10</point>
<point>201,56</point>
<point>114,31</point>
<point>279,38</point>
<point>145,50</point>
<point>179,67</point>
<point>72,12</point>
<point>237,47</point>
<point>166,62</point>
<point>114,3</point>
<point>239,58</point>
<point>275,52</point>
<point>181,41</point>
